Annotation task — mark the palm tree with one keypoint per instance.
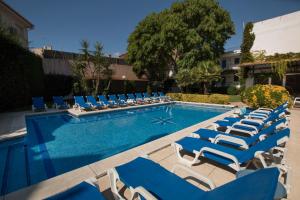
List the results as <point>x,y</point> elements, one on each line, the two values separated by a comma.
<point>206,72</point>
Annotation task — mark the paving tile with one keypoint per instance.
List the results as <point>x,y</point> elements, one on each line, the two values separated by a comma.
<point>52,186</point>
<point>103,165</point>
<point>162,154</point>
<point>220,176</point>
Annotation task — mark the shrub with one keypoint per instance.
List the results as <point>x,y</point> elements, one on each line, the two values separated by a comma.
<point>232,90</point>
<point>56,84</point>
<point>269,96</point>
<point>21,75</point>
<point>199,98</point>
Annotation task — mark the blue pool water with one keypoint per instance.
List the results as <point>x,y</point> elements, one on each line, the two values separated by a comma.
<point>58,143</point>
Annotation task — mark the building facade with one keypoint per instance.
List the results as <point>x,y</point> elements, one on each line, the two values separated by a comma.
<point>60,63</point>
<point>230,62</point>
<point>279,35</point>
<point>15,23</point>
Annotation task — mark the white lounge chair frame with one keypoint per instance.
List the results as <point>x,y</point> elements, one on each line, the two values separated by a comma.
<point>114,179</point>
<point>296,100</point>
<point>235,165</point>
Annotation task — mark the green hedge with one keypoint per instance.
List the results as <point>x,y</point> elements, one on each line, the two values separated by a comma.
<point>213,98</point>
<point>57,85</point>
<point>21,75</point>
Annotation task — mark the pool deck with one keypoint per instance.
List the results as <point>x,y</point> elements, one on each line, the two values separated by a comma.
<point>161,152</point>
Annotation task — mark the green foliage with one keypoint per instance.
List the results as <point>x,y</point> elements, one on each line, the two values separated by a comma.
<point>184,77</point>
<point>179,38</point>
<point>205,72</point>
<point>280,68</point>
<point>248,40</point>
<point>199,98</point>
<point>269,96</point>
<point>21,75</point>
<point>4,32</point>
<point>57,85</point>
<point>91,65</point>
<point>232,90</point>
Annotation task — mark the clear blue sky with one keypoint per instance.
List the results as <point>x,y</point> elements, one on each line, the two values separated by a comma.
<point>63,23</point>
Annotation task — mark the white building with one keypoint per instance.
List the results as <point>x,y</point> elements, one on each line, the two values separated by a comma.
<point>278,35</point>
<point>229,62</point>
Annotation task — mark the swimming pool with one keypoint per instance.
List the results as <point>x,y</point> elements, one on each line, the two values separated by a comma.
<point>58,143</point>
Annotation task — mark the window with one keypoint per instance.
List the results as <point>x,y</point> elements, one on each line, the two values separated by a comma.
<point>12,30</point>
<point>237,61</point>
<point>224,64</point>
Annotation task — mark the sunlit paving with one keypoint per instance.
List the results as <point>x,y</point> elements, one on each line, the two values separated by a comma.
<point>173,99</point>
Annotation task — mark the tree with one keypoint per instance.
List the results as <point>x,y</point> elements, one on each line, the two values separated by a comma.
<point>91,65</point>
<point>184,78</point>
<point>79,68</point>
<point>248,40</point>
<point>179,37</point>
<point>206,72</point>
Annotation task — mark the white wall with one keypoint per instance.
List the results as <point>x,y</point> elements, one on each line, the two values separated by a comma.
<point>278,35</point>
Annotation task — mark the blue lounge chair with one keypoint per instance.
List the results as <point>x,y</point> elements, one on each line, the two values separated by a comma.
<point>105,102</point>
<point>139,98</point>
<point>83,190</point>
<point>228,156</point>
<point>131,98</point>
<point>92,101</point>
<point>149,180</point>
<point>238,140</point>
<point>114,99</point>
<point>247,126</point>
<point>163,97</point>
<point>38,104</point>
<point>147,97</point>
<point>155,97</point>
<point>123,99</point>
<point>261,113</point>
<point>81,104</point>
<point>59,102</point>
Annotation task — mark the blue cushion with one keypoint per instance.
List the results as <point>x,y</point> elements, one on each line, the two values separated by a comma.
<point>280,192</point>
<point>157,180</point>
<point>260,185</point>
<point>38,102</point>
<point>79,192</point>
<point>166,185</point>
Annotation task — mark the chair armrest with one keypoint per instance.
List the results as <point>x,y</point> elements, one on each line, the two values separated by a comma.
<point>258,115</point>
<point>237,166</point>
<point>263,108</point>
<point>245,125</point>
<point>143,192</point>
<point>250,133</point>
<point>244,121</point>
<point>194,174</point>
<point>231,139</point>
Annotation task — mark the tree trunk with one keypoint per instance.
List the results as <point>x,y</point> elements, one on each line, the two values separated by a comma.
<point>205,88</point>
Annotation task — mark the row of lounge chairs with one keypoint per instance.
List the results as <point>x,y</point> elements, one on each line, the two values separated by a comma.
<point>91,103</point>
<point>259,135</point>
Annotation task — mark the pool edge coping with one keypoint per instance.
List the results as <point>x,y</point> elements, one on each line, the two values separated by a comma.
<point>22,132</point>
<point>99,168</point>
